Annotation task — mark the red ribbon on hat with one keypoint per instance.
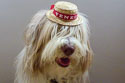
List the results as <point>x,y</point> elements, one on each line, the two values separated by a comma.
<point>62,15</point>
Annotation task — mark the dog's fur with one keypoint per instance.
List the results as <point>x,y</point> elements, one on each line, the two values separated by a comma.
<point>43,39</point>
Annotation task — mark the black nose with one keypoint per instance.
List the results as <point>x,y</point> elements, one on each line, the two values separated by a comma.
<point>68,49</point>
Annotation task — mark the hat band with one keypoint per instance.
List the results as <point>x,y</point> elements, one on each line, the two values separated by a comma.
<point>64,16</point>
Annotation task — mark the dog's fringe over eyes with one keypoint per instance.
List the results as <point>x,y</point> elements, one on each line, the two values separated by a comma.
<point>43,39</point>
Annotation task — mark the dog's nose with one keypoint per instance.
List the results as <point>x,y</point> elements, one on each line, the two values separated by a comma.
<point>68,49</point>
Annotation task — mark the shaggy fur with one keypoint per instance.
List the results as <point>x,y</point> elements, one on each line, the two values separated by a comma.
<point>43,39</point>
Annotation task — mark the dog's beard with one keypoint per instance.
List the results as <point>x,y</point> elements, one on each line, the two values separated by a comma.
<point>52,51</point>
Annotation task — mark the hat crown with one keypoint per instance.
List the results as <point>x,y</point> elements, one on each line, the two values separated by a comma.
<point>66,7</point>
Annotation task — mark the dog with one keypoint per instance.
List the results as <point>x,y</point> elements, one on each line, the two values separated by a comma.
<point>54,52</point>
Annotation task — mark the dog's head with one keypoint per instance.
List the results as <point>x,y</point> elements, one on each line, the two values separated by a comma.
<point>49,43</point>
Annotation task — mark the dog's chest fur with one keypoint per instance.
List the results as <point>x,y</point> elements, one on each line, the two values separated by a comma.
<point>57,74</point>
<point>64,80</point>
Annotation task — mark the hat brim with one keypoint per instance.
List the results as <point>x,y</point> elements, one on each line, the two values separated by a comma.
<point>53,18</point>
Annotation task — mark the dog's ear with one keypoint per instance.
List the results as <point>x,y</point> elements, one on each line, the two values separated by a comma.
<point>34,41</point>
<point>88,58</point>
<point>34,28</point>
<point>89,54</point>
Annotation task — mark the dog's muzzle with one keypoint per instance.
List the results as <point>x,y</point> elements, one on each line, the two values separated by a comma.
<point>68,49</point>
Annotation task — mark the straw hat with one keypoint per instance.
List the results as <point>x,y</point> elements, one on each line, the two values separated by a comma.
<point>64,13</point>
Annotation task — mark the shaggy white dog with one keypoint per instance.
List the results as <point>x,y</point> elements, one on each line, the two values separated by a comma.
<point>54,53</point>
